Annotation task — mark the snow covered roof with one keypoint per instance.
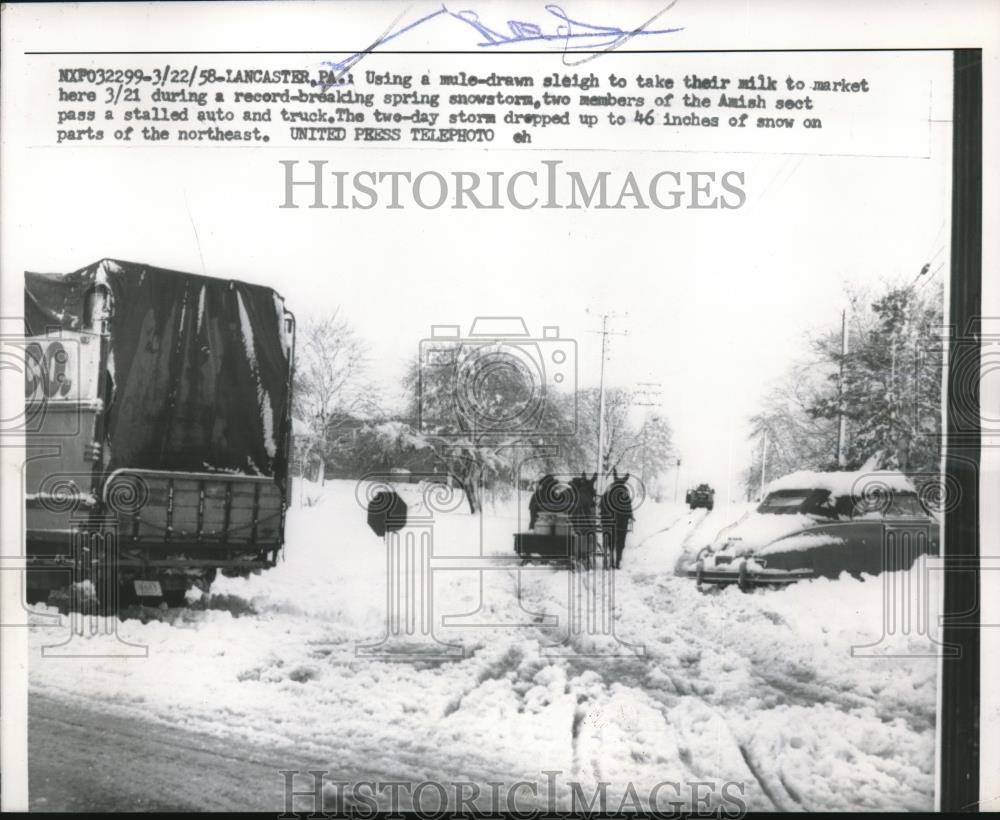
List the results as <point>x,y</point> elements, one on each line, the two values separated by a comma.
<point>845,482</point>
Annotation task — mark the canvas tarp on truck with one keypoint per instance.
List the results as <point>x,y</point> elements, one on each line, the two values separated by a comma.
<point>160,408</point>
<point>197,370</point>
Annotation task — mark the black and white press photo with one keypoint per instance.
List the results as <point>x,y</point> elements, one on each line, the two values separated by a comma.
<point>514,408</point>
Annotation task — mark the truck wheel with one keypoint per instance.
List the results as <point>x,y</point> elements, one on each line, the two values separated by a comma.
<point>743,580</point>
<point>126,594</point>
<point>175,597</point>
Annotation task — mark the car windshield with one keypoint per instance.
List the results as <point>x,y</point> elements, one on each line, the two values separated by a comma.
<point>785,501</point>
<point>816,502</point>
<point>905,504</point>
<point>888,505</point>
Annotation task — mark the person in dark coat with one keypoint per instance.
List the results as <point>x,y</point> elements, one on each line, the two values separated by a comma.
<point>616,513</point>
<point>542,499</point>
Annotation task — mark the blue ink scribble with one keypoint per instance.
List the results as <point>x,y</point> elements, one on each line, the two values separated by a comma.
<point>569,34</point>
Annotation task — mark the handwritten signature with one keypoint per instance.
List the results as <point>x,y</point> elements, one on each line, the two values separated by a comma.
<point>570,34</point>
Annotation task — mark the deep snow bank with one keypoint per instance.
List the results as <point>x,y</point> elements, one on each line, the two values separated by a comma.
<point>761,689</point>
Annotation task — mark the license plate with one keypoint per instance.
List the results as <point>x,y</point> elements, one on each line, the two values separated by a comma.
<point>148,589</point>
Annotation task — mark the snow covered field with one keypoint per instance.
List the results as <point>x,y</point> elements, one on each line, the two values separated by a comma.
<point>759,689</point>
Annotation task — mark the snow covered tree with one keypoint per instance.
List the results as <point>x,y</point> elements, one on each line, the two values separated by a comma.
<point>892,382</point>
<point>330,380</point>
<point>795,438</point>
<point>482,415</point>
<point>377,446</point>
<point>891,391</point>
<point>633,440</point>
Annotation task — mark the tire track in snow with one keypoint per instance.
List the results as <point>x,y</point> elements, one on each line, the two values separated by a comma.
<point>687,515</point>
<point>794,681</point>
<point>768,793</point>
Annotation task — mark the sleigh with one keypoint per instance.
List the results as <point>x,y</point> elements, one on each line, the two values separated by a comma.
<point>554,540</point>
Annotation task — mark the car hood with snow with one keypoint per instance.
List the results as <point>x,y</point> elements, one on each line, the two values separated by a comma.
<point>814,524</point>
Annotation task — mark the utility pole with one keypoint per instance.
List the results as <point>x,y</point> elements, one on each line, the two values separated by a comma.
<point>600,410</point>
<point>916,386</point>
<point>841,418</point>
<point>642,474</point>
<point>892,388</point>
<point>763,465</point>
<point>924,271</point>
<point>893,395</point>
<point>600,406</point>
<point>651,395</point>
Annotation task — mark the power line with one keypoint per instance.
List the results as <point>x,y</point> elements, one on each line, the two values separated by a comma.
<point>931,275</point>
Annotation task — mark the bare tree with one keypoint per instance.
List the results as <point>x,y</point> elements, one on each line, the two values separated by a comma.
<point>330,379</point>
<point>795,438</point>
<point>640,444</point>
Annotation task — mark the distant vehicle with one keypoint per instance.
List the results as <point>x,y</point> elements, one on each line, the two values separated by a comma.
<point>813,525</point>
<point>157,425</point>
<point>700,496</point>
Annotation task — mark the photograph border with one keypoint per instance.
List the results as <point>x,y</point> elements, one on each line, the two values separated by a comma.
<point>958,719</point>
<point>958,746</point>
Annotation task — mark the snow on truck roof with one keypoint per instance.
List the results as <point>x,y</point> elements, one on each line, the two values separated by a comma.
<point>103,267</point>
<point>846,482</point>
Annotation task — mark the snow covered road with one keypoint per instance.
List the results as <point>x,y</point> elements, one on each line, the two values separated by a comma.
<point>85,760</point>
<point>758,689</point>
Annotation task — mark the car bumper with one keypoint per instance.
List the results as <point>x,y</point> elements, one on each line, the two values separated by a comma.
<point>745,575</point>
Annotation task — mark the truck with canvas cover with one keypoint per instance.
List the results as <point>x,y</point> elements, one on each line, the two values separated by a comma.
<point>157,428</point>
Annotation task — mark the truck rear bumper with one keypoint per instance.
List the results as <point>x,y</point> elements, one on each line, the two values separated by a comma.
<point>48,570</point>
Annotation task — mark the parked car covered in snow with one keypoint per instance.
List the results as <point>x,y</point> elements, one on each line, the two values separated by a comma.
<point>813,525</point>
<point>701,496</point>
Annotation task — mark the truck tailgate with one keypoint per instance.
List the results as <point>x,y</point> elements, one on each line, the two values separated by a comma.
<point>213,509</point>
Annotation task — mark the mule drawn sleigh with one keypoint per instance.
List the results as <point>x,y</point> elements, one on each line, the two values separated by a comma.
<point>564,525</point>
<point>554,539</point>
